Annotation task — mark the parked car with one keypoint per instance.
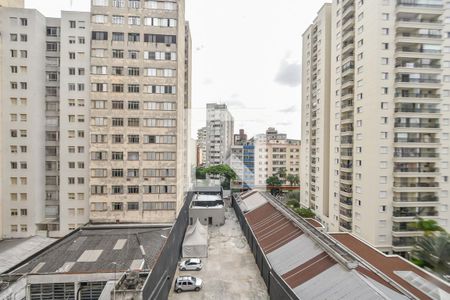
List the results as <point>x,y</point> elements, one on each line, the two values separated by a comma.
<point>193,264</point>
<point>188,283</point>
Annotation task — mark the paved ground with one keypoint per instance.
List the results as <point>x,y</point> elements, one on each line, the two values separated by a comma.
<point>230,271</point>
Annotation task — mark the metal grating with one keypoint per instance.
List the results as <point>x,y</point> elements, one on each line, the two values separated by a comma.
<point>52,291</point>
<point>91,290</point>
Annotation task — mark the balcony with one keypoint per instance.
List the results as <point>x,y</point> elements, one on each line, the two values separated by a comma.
<point>345,226</point>
<point>411,108</point>
<point>420,153</point>
<point>421,3</point>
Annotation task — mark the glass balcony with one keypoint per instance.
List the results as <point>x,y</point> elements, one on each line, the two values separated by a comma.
<point>416,108</point>
<point>404,241</point>
<point>415,197</point>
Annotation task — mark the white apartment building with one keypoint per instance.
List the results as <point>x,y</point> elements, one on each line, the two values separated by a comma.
<point>389,99</point>
<point>274,152</point>
<point>219,133</point>
<point>43,121</point>
<point>140,61</point>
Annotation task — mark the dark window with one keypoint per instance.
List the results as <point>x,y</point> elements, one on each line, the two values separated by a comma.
<point>134,37</point>
<point>118,36</point>
<point>99,35</point>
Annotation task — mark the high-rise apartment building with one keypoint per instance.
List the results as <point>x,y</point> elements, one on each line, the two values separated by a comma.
<point>273,153</point>
<point>388,109</point>
<point>242,161</point>
<point>201,146</point>
<point>219,133</point>
<point>43,125</point>
<point>140,89</point>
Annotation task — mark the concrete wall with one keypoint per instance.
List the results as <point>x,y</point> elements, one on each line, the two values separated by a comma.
<point>203,214</point>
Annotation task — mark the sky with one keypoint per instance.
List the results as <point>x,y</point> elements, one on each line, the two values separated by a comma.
<point>246,53</point>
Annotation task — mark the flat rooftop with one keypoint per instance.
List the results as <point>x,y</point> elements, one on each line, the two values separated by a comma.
<point>13,251</point>
<point>94,249</point>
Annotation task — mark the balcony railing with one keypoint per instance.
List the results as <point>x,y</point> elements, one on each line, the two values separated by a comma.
<point>423,125</point>
<point>416,184</point>
<point>416,170</point>
<point>405,214</point>
<point>421,3</point>
<point>419,35</point>
<point>417,199</point>
<point>417,80</point>
<point>416,140</point>
<point>419,20</point>
<point>417,95</point>
<point>416,110</point>
<point>416,50</point>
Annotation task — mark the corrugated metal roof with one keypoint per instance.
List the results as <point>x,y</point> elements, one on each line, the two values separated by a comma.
<point>293,254</point>
<point>336,283</point>
<point>390,265</point>
<point>253,201</point>
<point>271,228</point>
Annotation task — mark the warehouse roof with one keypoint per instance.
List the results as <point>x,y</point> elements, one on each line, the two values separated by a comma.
<point>100,250</point>
<point>13,251</point>
<point>312,270</point>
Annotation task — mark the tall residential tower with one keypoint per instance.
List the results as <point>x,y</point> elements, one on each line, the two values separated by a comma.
<point>388,105</point>
<point>140,94</point>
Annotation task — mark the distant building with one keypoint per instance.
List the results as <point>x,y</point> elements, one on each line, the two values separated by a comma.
<point>219,133</point>
<point>201,147</point>
<point>242,161</point>
<point>273,152</point>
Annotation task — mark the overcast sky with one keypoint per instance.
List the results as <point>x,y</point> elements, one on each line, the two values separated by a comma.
<point>246,53</point>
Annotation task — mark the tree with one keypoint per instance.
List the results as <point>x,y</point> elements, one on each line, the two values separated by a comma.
<point>200,173</point>
<point>433,251</point>
<point>281,173</point>
<point>223,171</point>
<point>294,180</point>
<point>274,183</point>
<point>305,212</point>
<point>429,227</point>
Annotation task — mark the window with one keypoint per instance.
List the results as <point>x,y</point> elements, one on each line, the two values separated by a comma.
<point>118,20</point>
<point>134,20</point>
<point>99,19</point>
<point>134,37</point>
<point>117,88</point>
<point>13,37</point>
<point>133,205</point>
<point>24,21</point>
<point>118,71</point>
<point>132,71</point>
<point>133,105</point>
<point>117,172</point>
<point>117,155</point>
<point>117,104</point>
<point>385,31</point>
<point>382,208</point>
<point>117,122</point>
<point>133,54</point>
<point>117,189</point>
<point>23,228</point>
<point>117,206</point>
<point>133,88</point>
<point>384,75</point>
<point>117,53</point>
<point>100,2</point>
<point>118,36</point>
<point>385,46</point>
<point>99,35</point>
<point>384,60</point>
<point>71,55</point>
<point>133,156</point>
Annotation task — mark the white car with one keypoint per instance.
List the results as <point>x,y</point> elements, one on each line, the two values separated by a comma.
<point>193,264</point>
<point>188,283</point>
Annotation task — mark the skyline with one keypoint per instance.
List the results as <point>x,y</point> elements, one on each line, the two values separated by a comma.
<point>213,76</point>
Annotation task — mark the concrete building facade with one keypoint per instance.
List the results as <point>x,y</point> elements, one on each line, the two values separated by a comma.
<point>274,152</point>
<point>219,133</point>
<point>36,91</point>
<point>140,60</point>
<point>389,118</point>
<point>201,146</point>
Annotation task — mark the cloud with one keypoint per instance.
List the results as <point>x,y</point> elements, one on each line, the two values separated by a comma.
<point>289,73</point>
<point>289,109</point>
<point>208,81</point>
<point>235,104</point>
<point>283,124</point>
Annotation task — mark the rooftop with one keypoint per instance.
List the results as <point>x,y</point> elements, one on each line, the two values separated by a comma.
<point>313,264</point>
<point>100,250</point>
<point>13,251</point>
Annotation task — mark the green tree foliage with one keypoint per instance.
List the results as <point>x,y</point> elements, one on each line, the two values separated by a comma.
<point>281,173</point>
<point>293,180</point>
<point>433,251</point>
<point>225,173</point>
<point>305,212</point>
<point>200,173</point>
<point>429,227</point>
<point>274,183</point>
